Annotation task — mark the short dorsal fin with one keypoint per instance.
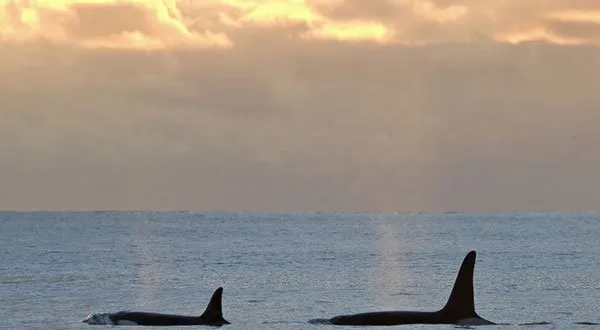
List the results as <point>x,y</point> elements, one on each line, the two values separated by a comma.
<point>461,302</point>
<point>214,311</point>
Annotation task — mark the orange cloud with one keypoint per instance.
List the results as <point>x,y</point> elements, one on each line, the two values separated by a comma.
<point>109,23</point>
<point>556,22</point>
<point>158,24</point>
<point>280,12</point>
<point>352,31</point>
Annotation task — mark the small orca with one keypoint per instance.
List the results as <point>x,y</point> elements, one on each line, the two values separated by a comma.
<point>460,308</point>
<point>213,316</point>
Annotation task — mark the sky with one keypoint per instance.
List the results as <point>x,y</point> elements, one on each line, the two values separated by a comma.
<point>300,105</point>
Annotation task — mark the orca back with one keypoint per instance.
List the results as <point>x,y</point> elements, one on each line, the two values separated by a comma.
<point>152,319</point>
<point>459,309</point>
<point>213,315</point>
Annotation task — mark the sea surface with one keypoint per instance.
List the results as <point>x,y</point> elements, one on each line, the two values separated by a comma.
<point>278,271</point>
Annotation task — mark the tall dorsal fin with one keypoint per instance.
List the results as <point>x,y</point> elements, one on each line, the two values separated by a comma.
<point>461,303</point>
<point>214,312</point>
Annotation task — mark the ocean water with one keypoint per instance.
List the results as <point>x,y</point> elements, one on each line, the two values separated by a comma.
<point>278,271</point>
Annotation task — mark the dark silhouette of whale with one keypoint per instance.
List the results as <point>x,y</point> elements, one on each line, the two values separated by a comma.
<point>460,308</point>
<point>213,316</point>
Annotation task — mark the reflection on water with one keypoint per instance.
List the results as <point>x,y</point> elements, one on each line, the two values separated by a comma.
<point>389,278</point>
<point>146,264</point>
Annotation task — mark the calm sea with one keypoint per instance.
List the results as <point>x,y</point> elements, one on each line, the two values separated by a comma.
<point>534,271</point>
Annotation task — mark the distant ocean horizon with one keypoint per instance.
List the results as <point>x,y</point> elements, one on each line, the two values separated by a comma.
<point>281,269</point>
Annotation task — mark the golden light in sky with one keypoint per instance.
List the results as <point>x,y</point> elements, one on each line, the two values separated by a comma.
<point>352,31</point>
<point>103,23</point>
<point>292,105</point>
<point>155,24</point>
<point>161,24</point>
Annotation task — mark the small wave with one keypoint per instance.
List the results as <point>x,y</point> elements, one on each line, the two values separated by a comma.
<point>587,323</point>
<point>564,313</point>
<point>17,279</point>
<point>98,319</point>
<point>26,279</point>
<point>403,294</point>
<point>535,323</point>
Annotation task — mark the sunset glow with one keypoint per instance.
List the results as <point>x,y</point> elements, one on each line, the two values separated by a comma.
<point>154,24</point>
<point>296,105</point>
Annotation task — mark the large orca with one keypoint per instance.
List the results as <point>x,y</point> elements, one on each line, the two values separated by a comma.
<point>213,315</point>
<point>460,308</point>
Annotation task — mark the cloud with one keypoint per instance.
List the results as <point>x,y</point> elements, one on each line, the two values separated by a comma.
<point>299,105</point>
<point>152,24</point>
<point>582,30</point>
<point>133,24</point>
<point>536,21</point>
<point>377,10</point>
